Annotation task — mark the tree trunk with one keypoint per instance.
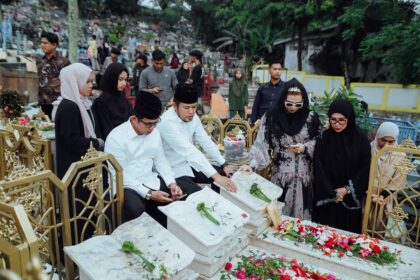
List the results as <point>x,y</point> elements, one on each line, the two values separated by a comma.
<point>73,14</point>
<point>300,46</point>
<point>344,65</point>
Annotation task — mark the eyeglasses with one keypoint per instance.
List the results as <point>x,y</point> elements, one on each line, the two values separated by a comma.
<point>293,104</point>
<point>339,121</point>
<point>150,124</point>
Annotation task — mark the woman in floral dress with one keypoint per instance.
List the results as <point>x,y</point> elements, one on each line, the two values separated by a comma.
<point>286,140</point>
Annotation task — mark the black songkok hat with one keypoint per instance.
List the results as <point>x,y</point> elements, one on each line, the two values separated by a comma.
<point>197,54</point>
<point>186,93</point>
<point>148,106</point>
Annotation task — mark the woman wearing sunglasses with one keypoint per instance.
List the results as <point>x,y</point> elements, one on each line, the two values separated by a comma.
<point>341,170</point>
<point>286,139</point>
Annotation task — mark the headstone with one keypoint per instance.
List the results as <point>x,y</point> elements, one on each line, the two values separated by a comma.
<point>213,243</point>
<point>101,257</point>
<point>256,207</point>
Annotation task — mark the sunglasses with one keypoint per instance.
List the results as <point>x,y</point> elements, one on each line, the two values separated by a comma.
<point>293,104</point>
<point>150,124</point>
<point>339,121</point>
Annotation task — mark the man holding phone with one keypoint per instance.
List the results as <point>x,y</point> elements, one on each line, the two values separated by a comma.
<point>158,79</point>
<point>148,178</point>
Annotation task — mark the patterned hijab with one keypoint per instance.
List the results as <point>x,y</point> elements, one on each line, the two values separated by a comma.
<point>73,78</point>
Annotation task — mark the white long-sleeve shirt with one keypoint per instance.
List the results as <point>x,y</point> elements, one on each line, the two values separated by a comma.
<point>137,154</point>
<point>178,143</point>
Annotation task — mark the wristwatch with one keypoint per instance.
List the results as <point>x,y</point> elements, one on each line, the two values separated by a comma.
<point>148,195</point>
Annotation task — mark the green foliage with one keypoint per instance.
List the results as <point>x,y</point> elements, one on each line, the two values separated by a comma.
<point>12,103</point>
<point>398,46</point>
<point>321,105</point>
<point>117,32</point>
<point>171,15</point>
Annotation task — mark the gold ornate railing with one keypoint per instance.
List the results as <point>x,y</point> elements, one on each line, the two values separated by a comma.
<point>18,242</point>
<point>214,127</point>
<point>236,124</point>
<point>392,210</point>
<point>24,145</point>
<point>86,204</point>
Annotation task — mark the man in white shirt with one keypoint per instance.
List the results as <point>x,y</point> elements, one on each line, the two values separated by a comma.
<point>180,128</point>
<point>138,148</point>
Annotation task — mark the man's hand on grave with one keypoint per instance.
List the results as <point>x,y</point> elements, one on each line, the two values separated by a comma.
<point>225,182</point>
<point>160,196</point>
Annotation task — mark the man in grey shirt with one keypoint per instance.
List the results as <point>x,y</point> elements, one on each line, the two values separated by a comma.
<point>158,79</point>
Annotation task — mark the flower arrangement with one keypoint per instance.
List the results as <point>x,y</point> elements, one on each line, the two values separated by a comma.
<point>12,103</point>
<point>259,267</point>
<point>40,125</point>
<point>332,243</point>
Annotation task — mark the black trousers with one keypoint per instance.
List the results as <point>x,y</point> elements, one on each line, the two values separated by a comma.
<point>135,205</point>
<point>200,178</point>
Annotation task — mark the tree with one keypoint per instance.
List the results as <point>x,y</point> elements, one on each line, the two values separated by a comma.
<point>396,45</point>
<point>73,15</point>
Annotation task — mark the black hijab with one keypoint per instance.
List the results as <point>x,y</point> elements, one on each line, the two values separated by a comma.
<point>112,108</point>
<point>280,122</point>
<point>340,157</point>
<point>183,74</point>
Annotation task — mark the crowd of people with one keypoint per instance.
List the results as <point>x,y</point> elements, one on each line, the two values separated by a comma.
<point>323,172</point>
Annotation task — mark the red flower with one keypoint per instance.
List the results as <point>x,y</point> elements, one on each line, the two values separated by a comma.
<point>259,263</point>
<point>244,215</point>
<point>240,274</point>
<point>285,277</point>
<point>253,277</point>
<point>300,228</point>
<point>299,271</point>
<point>375,248</point>
<point>341,254</point>
<point>228,266</point>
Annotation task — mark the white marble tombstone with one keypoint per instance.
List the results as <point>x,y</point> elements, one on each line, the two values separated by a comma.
<point>101,257</point>
<point>213,244</point>
<point>258,221</point>
<point>358,268</point>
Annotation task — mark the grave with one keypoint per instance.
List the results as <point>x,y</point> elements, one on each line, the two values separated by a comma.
<point>254,206</point>
<point>213,242</point>
<point>349,265</point>
<point>101,257</point>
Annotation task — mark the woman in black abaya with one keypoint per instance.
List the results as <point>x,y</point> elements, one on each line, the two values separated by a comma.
<point>112,108</point>
<point>341,170</point>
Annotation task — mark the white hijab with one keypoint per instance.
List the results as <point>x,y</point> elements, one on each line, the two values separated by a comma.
<point>73,78</point>
<point>386,129</point>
